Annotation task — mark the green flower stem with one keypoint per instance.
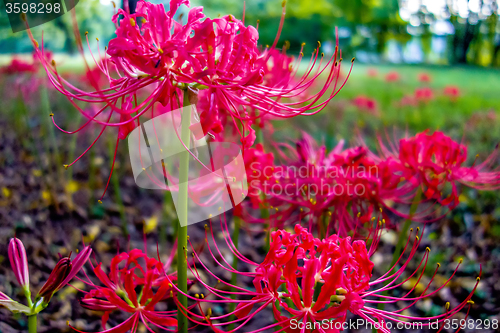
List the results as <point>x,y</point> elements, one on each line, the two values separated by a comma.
<point>264,212</point>
<point>234,276</point>
<point>115,181</point>
<point>403,236</point>
<point>182,320</point>
<point>32,322</point>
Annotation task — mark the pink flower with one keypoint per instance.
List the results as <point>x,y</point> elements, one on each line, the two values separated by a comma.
<point>424,77</point>
<point>392,76</point>
<point>19,262</point>
<point>18,66</point>
<point>408,100</point>
<point>366,104</point>
<point>453,92</point>
<point>372,72</point>
<point>424,94</point>
<point>435,160</point>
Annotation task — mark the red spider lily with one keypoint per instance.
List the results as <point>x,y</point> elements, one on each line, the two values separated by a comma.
<point>424,94</point>
<point>392,76</point>
<point>21,76</point>
<point>65,270</point>
<point>453,92</point>
<point>424,78</point>
<point>310,280</point>
<point>366,104</point>
<point>129,272</point>
<point>435,161</point>
<point>18,66</point>
<point>153,58</point>
<point>56,277</point>
<point>372,72</point>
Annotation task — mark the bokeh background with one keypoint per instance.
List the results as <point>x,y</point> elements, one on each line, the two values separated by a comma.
<point>421,64</point>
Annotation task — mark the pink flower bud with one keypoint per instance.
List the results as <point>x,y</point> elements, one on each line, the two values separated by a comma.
<point>56,277</point>
<point>19,262</point>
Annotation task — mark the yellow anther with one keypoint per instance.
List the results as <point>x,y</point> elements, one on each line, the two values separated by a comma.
<point>36,43</point>
<point>132,22</point>
<point>65,166</point>
<point>197,296</point>
<point>51,114</point>
<point>438,265</point>
<point>428,249</point>
<point>359,214</point>
<point>319,44</point>
<point>470,302</point>
<point>460,261</point>
<point>354,58</point>
<point>86,33</point>
<point>341,291</point>
<point>97,39</point>
<point>99,201</point>
<point>283,3</point>
<point>53,62</point>
<point>447,306</point>
<point>160,50</point>
<point>478,279</point>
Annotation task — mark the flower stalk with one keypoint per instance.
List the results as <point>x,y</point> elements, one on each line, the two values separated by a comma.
<point>183,213</point>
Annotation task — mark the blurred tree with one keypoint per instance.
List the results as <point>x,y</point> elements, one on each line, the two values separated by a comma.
<point>93,16</point>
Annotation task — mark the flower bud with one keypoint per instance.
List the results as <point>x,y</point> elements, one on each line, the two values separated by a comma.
<point>56,277</point>
<point>19,262</point>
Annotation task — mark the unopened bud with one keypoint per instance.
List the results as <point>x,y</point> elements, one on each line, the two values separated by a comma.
<point>56,277</point>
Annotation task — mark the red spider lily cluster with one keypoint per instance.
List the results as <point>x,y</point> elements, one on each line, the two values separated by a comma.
<point>346,186</point>
<point>346,196</point>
